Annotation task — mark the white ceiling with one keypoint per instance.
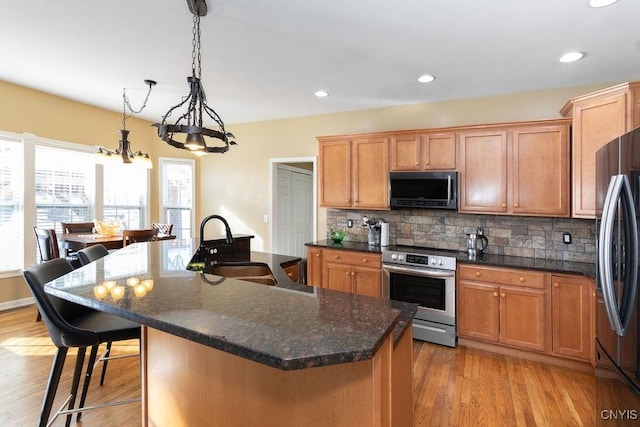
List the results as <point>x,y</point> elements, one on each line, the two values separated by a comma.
<point>264,59</point>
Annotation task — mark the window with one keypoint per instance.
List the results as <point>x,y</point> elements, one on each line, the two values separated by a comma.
<point>177,181</point>
<point>64,186</point>
<point>125,194</point>
<point>11,203</point>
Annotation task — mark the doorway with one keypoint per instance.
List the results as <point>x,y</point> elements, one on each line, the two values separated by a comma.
<point>292,205</point>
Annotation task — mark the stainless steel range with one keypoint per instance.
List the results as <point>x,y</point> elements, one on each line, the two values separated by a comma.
<point>426,277</point>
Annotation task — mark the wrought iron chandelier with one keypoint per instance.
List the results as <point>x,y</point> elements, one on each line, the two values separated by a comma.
<point>188,128</point>
<point>124,152</point>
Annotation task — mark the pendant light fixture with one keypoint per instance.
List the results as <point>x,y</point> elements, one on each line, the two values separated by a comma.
<point>187,131</point>
<point>123,152</point>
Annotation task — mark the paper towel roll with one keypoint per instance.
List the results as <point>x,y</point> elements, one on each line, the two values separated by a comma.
<point>384,234</point>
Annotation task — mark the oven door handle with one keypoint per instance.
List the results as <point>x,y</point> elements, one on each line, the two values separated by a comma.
<point>443,274</point>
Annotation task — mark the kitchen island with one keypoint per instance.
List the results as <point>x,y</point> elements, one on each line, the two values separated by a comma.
<point>221,351</point>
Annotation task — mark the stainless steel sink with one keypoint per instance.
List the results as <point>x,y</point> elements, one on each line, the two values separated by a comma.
<point>249,271</point>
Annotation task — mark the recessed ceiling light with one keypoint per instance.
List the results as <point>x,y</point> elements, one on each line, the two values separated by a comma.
<point>321,93</point>
<point>426,78</point>
<point>571,57</point>
<point>601,3</point>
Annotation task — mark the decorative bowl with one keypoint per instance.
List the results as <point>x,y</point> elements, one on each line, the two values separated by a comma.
<point>107,227</point>
<point>337,235</point>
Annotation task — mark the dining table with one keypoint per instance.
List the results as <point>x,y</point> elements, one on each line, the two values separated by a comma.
<point>76,241</point>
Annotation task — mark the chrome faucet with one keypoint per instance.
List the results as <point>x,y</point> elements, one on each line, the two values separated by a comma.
<point>226,227</point>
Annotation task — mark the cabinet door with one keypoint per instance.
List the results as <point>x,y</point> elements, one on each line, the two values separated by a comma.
<point>596,121</point>
<point>371,173</point>
<point>439,151</point>
<point>572,301</point>
<point>336,277</point>
<point>478,311</point>
<point>405,152</point>
<point>483,171</point>
<point>314,266</point>
<point>367,281</point>
<point>335,173</point>
<point>540,171</point>
<point>522,318</point>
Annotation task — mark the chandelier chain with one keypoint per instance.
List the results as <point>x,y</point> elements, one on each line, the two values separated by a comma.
<point>126,104</point>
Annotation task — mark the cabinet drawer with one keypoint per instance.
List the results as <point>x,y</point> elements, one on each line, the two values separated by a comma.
<point>502,276</point>
<point>352,258</point>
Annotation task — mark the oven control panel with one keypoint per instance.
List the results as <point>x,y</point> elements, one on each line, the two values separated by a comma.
<point>420,260</point>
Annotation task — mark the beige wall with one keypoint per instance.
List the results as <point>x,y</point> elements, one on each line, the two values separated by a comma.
<point>236,184</point>
<point>24,110</point>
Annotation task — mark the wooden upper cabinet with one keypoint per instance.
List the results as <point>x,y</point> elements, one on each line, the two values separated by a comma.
<point>335,173</point>
<point>354,172</point>
<point>439,151</point>
<point>540,171</point>
<point>370,173</point>
<point>424,151</point>
<point>519,169</point>
<point>598,118</point>
<point>483,171</point>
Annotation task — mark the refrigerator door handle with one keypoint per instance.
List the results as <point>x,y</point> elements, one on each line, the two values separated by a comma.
<point>619,191</point>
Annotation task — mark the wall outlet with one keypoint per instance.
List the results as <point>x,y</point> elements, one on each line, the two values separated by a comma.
<point>566,238</point>
<point>350,223</point>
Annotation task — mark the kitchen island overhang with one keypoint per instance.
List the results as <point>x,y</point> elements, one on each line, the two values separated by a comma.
<point>288,326</point>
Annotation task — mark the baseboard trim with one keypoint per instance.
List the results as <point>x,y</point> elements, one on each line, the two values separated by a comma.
<point>528,355</point>
<point>18,303</point>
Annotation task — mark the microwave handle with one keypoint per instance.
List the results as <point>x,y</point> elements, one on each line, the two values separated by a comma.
<point>448,190</point>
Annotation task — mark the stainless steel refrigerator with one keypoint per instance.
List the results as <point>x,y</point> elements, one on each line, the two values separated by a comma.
<point>617,311</point>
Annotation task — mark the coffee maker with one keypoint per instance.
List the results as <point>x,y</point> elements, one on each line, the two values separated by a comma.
<point>476,243</point>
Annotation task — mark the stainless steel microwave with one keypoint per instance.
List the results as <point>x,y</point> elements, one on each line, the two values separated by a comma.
<point>428,190</point>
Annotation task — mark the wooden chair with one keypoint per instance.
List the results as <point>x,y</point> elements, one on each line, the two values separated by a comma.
<point>75,227</point>
<point>47,243</point>
<point>134,236</point>
<point>163,228</point>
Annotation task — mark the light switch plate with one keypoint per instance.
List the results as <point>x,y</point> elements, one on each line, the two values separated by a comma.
<point>566,238</point>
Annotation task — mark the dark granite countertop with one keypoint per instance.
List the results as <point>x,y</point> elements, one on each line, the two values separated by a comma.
<point>567,267</point>
<point>286,326</point>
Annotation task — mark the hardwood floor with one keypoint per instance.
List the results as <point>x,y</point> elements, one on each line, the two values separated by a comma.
<point>26,355</point>
<point>469,387</point>
<point>452,387</point>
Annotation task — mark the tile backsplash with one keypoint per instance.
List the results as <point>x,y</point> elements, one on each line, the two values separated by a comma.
<point>531,237</point>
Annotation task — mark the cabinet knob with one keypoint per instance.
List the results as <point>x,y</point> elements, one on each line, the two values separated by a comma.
<point>317,255</point>
<point>353,274</point>
<point>521,280</point>
<point>495,294</point>
<point>556,285</point>
<point>290,274</point>
<point>477,274</point>
<point>336,257</point>
<point>503,295</point>
<point>348,273</point>
<point>427,163</point>
<point>417,163</point>
<point>504,205</point>
<point>515,205</point>
<point>365,260</point>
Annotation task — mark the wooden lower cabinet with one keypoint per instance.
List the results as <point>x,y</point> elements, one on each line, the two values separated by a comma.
<point>509,315</point>
<point>573,306</point>
<point>528,309</point>
<point>314,266</point>
<point>346,271</point>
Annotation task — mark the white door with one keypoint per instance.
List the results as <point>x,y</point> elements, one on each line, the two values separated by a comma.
<point>293,211</point>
